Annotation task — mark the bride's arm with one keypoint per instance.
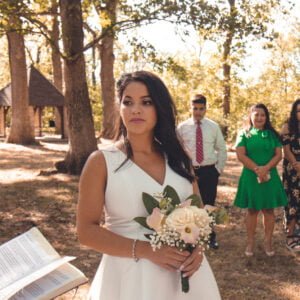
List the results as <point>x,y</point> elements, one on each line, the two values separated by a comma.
<point>92,186</point>
<point>90,207</point>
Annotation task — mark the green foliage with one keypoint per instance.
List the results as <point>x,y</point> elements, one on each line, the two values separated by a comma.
<point>150,202</point>
<point>220,215</point>
<point>4,63</point>
<point>170,192</point>
<point>95,98</point>
<point>142,221</point>
<point>48,114</point>
<point>185,74</point>
<point>196,200</point>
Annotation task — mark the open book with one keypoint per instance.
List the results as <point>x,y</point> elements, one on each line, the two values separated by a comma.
<point>30,268</point>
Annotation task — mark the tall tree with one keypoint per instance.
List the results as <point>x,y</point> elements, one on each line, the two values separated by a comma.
<point>132,15</point>
<point>232,26</point>
<point>82,140</point>
<point>57,69</point>
<point>107,68</point>
<point>230,30</point>
<point>238,24</point>
<point>22,124</point>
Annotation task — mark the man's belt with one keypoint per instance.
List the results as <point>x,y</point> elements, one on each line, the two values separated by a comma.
<point>202,167</point>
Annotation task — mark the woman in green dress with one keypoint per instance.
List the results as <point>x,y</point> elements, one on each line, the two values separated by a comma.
<point>259,149</point>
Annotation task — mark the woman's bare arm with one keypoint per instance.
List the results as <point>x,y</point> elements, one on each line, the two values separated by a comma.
<point>244,159</point>
<point>89,212</point>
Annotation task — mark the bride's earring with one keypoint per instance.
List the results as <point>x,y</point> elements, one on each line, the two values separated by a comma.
<point>157,140</point>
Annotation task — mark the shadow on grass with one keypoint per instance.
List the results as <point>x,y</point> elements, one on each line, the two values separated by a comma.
<point>50,204</point>
<point>258,277</point>
<point>29,159</point>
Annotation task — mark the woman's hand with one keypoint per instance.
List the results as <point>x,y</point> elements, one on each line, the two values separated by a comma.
<point>192,263</point>
<point>169,258</point>
<point>296,166</point>
<point>262,173</point>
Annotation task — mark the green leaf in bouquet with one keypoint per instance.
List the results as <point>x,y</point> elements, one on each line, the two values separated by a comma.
<point>148,235</point>
<point>142,221</point>
<point>221,216</point>
<point>196,200</point>
<point>149,202</point>
<point>171,193</point>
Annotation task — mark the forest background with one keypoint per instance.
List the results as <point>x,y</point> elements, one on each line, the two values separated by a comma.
<point>83,46</point>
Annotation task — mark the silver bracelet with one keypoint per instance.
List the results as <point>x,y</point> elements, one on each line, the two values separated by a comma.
<point>136,259</point>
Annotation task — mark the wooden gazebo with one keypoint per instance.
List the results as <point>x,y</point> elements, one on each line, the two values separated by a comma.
<point>5,104</point>
<point>42,93</point>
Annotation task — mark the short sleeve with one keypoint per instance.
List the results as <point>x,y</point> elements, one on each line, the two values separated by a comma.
<point>276,140</point>
<point>241,139</point>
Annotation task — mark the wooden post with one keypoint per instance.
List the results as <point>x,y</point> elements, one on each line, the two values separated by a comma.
<point>2,121</point>
<point>40,110</point>
<point>6,109</point>
<point>62,127</point>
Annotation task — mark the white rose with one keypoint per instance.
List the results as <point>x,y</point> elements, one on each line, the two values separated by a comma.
<point>183,221</point>
<point>202,220</point>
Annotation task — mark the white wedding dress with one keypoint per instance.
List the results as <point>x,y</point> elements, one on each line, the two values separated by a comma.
<point>119,278</point>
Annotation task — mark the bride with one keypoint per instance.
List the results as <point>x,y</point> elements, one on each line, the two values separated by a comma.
<point>145,157</point>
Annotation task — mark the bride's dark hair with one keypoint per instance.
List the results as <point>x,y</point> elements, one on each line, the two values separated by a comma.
<point>165,128</point>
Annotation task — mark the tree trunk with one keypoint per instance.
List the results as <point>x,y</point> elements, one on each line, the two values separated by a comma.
<point>82,140</point>
<point>94,81</point>
<point>226,61</point>
<point>107,73</point>
<point>57,71</point>
<point>226,89</point>
<point>22,124</point>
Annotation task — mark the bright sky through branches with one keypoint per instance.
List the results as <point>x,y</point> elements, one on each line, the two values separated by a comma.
<point>171,40</point>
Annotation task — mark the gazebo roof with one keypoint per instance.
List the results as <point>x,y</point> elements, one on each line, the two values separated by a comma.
<point>5,96</point>
<point>41,91</point>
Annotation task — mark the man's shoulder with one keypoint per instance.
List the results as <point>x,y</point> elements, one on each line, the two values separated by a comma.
<point>211,122</point>
<point>187,122</point>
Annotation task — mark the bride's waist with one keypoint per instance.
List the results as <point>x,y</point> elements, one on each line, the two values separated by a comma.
<point>130,230</point>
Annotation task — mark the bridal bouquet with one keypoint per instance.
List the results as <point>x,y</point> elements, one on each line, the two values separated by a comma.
<point>184,225</point>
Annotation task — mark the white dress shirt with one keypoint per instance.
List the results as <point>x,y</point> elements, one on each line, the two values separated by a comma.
<point>214,147</point>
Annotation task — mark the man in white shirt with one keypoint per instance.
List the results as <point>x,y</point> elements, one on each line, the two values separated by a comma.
<point>203,140</point>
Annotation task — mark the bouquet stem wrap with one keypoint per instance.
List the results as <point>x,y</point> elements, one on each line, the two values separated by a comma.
<point>185,286</point>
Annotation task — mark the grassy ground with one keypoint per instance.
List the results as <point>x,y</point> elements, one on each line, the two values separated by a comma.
<point>32,194</point>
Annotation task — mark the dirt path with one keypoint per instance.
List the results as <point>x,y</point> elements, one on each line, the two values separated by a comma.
<point>30,194</point>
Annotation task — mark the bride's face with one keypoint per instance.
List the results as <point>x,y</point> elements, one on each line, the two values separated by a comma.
<point>137,109</point>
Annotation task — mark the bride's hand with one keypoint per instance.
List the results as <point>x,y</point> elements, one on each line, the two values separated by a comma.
<point>192,263</point>
<point>169,258</point>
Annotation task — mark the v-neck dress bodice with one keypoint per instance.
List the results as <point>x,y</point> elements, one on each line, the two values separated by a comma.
<point>123,195</point>
<point>120,278</point>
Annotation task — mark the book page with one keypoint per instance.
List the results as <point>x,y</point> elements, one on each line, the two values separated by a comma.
<point>10,290</point>
<point>53,284</point>
<point>23,255</point>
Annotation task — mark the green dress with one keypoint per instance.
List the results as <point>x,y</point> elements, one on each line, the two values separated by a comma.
<point>260,147</point>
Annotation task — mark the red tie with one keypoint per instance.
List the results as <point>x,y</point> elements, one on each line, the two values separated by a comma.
<point>199,144</point>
